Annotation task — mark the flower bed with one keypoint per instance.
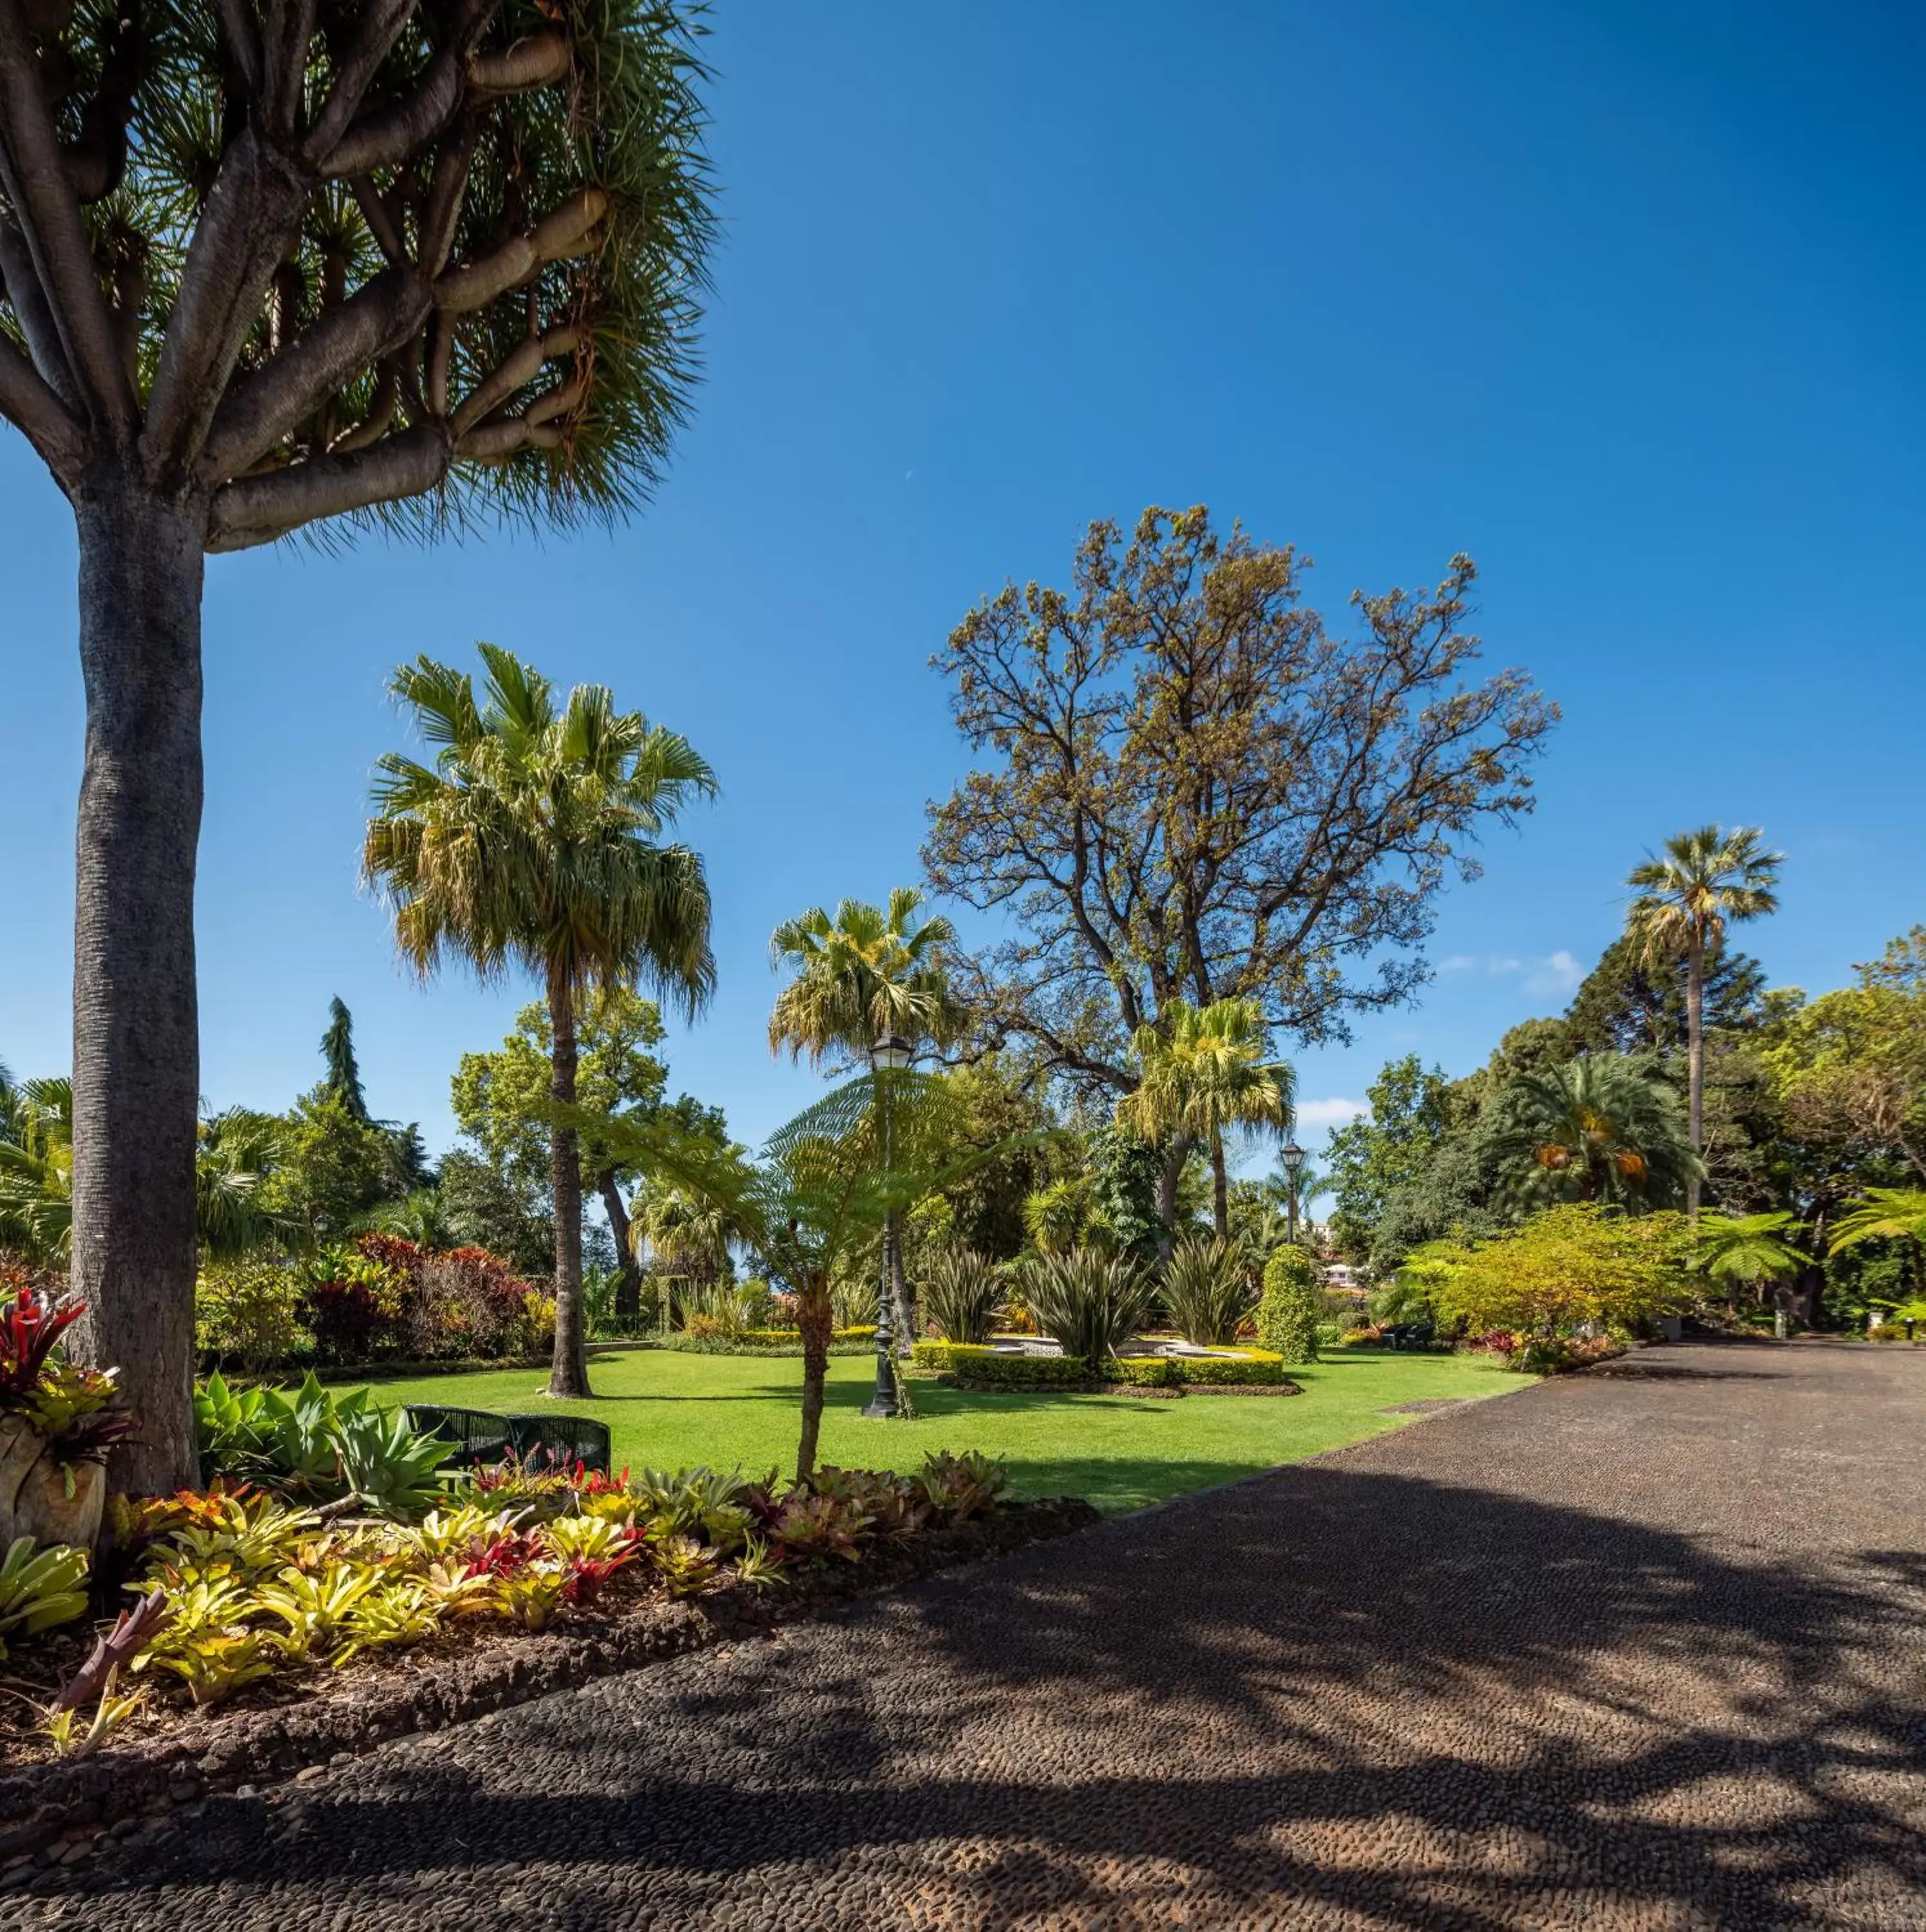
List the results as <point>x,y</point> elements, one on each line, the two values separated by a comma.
<point>301,1716</point>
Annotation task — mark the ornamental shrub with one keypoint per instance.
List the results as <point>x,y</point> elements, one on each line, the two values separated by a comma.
<point>1143,1371</point>
<point>1292,1307</point>
<point>1255,1368</point>
<point>249,1312</point>
<point>1087,1302</point>
<point>991,1368</point>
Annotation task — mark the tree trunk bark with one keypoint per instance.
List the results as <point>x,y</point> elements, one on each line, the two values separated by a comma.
<point>815,1318</point>
<point>629,1289</point>
<point>136,1040</point>
<point>1695,1059</point>
<point>1167,1197</point>
<point>1220,1187</point>
<point>905,1309</point>
<point>569,1375</point>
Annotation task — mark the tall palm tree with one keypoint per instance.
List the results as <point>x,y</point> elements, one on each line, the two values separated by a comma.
<point>865,974</point>
<point>534,839</point>
<point>1201,1072</point>
<point>1706,881</point>
<point>1604,1128</point>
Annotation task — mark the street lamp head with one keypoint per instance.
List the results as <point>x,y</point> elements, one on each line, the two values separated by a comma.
<point>892,1051</point>
<point>1292,1156</point>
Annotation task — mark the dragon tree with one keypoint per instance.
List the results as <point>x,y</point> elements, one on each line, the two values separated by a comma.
<point>268,266</point>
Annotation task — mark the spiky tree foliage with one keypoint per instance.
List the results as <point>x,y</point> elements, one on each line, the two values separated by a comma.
<point>962,1295</point>
<point>1704,881</point>
<point>1090,1301</point>
<point>1606,1129</point>
<point>344,1075</point>
<point>1202,1072</point>
<point>868,973</point>
<point>238,1150</point>
<point>534,839</point>
<point>1207,1290</point>
<point>270,265</point>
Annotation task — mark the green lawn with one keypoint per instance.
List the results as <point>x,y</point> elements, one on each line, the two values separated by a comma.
<point>667,1409</point>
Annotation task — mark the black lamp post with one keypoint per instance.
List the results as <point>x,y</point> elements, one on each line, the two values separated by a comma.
<point>891,1053</point>
<point>1292,1158</point>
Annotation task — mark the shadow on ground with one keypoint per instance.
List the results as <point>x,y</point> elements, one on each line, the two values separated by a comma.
<point>1390,1698</point>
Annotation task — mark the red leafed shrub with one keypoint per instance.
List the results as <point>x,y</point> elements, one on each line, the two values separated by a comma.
<point>1496,1342</point>
<point>352,1321</point>
<point>468,1302</point>
<point>31,1325</point>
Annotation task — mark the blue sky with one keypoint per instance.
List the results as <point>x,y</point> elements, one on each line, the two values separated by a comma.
<point>1627,301</point>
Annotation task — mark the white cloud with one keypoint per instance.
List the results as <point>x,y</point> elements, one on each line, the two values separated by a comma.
<point>1551,973</point>
<point>1336,1111</point>
<point>1557,972</point>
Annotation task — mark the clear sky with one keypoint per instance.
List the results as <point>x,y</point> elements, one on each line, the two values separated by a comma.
<point>1628,301</point>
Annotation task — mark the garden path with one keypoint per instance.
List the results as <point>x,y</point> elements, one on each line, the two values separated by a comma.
<point>1641,1648</point>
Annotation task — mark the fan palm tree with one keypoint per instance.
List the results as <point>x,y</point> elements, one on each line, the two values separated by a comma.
<point>864,975</point>
<point>36,1169</point>
<point>1706,881</point>
<point>1202,1072</point>
<point>235,1152</point>
<point>534,839</point>
<point>1604,1128</point>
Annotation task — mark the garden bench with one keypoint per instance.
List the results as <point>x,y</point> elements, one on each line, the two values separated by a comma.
<point>479,1438</point>
<point>482,1438</point>
<point>546,1439</point>
<point>1410,1334</point>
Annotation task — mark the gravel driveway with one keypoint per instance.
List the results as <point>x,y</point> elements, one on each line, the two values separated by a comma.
<point>1641,1648</point>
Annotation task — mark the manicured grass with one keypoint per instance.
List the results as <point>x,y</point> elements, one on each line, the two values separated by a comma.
<point>666,1409</point>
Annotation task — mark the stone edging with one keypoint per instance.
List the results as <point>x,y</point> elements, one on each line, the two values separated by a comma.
<point>51,1812</point>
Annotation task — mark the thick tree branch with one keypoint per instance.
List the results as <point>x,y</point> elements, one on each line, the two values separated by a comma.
<point>243,35</point>
<point>516,372</point>
<point>49,215</point>
<point>259,509</point>
<point>536,60</point>
<point>21,285</point>
<point>570,230</point>
<point>36,411</point>
<point>250,222</point>
<point>381,25</point>
<point>262,408</point>
<point>290,28</point>
<point>389,135</point>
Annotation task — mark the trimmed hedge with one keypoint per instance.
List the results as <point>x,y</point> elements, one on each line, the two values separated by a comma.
<point>769,1341</point>
<point>989,1368</point>
<point>1292,1309</point>
<point>986,1368</point>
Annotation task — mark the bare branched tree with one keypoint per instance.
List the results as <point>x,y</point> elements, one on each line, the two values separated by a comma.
<point>1194,793</point>
<point>409,263</point>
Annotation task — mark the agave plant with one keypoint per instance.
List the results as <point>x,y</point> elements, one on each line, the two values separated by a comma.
<point>1089,1302</point>
<point>1206,1291</point>
<point>961,1296</point>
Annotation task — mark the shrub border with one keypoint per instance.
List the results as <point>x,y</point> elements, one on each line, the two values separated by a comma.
<point>47,1809</point>
<point>1252,1372</point>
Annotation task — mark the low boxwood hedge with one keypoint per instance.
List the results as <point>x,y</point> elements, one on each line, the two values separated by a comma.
<point>990,1368</point>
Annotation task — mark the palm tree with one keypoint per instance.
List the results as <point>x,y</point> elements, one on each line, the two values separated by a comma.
<point>534,839</point>
<point>1604,1128</point>
<point>1706,881</point>
<point>1202,1071</point>
<point>36,1169</point>
<point>861,977</point>
<point>686,1233</point>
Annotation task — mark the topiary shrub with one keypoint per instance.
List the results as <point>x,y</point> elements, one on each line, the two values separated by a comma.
<point>1292,1307</point>
<point>1141,1371</point>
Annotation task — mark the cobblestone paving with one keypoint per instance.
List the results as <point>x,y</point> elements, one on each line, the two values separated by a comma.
<point>1640,1649</point>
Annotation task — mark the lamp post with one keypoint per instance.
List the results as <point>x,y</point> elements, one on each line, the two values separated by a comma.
<point>1292,1158</point>
<point>891,1054</point>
